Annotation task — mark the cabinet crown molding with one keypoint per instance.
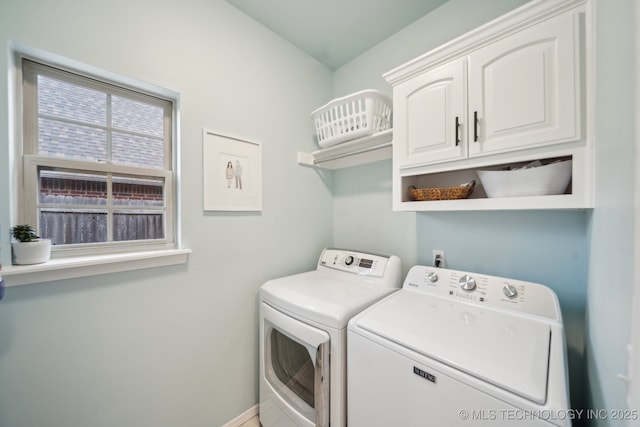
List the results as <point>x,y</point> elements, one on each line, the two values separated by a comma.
<point>509,23</point>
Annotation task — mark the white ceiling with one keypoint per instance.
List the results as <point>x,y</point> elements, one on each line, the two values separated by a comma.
<point>335,31</point>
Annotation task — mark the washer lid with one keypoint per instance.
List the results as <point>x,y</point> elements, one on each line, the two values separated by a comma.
<point>323,297</point>
<point>508,351</point>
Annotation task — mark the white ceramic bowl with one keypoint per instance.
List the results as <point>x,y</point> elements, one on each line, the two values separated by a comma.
<point>536,181</point>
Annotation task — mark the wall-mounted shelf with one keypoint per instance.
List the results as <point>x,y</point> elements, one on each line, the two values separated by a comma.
<point>359,151</point>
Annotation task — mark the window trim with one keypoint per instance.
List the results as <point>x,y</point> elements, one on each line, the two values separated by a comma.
<point>64,268</point>
<point>86,266</point>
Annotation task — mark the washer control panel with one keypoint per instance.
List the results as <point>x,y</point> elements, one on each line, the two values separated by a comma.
<point>355,262</point>
<point>481,289</point>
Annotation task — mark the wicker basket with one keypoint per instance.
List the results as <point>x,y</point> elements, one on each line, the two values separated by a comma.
<point>442,193</point>
<point>353,116</point>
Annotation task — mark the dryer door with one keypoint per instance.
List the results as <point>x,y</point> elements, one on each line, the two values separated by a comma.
<point>296,366</point>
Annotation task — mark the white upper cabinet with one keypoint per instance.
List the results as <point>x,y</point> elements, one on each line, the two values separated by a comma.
<point>430,115</point>
<point>511,92</point>
<point>523,88</point>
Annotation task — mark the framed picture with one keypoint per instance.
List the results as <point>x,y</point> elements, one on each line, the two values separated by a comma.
<point>232,173</point>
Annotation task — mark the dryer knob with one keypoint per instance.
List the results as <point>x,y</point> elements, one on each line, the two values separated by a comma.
<point>467,283</point>
<point>348,260</point>
<point>433,277</point>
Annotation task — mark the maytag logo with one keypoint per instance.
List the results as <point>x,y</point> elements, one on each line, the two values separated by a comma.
<point>425,375</point>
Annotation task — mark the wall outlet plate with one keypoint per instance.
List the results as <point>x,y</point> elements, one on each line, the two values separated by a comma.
<point>438,258</point>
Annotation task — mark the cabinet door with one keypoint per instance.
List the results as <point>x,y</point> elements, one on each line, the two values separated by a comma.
<point>524,89</point>
<point>430,116</point>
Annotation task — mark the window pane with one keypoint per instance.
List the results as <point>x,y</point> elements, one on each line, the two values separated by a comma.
<point>137,117</point>
<point>137,151</point>
<point>71,210</point>
<point>138,192</point>
<point>72,188</point>
<point>67,226</point>
<point>70,141</point>
<point>66,100</point>
<point>76,220</point>
<point>138,225</point>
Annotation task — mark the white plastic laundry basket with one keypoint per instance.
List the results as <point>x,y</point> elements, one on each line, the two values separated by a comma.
<point>353,116</point>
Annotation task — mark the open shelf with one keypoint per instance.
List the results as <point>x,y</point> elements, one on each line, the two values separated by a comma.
<point>356,152</point>
<point>576,196</point>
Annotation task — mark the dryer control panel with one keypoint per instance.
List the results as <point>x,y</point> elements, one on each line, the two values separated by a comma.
<point>481,289</point>
<point>361,263</point>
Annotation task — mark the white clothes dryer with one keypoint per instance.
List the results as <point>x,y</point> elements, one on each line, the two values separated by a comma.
<point>453,348</point>
<point>303,335</point>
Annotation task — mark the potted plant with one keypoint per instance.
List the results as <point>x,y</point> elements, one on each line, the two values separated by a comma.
<point>28,247</point>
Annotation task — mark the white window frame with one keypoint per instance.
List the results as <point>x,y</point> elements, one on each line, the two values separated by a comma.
<point>111,258</point>
<point>31,160</point>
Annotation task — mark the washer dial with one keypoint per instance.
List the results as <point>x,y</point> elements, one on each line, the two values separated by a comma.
<point>467,283</point>
<point>509,291</point>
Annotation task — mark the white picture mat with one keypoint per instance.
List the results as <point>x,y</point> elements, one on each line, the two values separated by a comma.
<point>232,173</point>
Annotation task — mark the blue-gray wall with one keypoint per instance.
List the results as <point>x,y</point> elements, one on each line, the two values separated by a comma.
<point>172,346</point>
<point>611,231</point>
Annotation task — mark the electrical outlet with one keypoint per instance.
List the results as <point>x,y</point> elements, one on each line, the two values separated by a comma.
<point>438,258</point>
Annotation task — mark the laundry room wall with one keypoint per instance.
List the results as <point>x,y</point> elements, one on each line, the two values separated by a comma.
<point>611,224</point>
<point>170,346</point>
<point>570,251</point>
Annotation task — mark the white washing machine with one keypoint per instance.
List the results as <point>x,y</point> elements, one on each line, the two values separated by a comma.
<point>303,335</point>
<point>453,348</point>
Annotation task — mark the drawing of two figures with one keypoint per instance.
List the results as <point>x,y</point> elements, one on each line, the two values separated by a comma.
<point>234,172</point>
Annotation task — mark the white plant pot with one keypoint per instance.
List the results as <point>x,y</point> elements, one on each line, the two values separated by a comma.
<point>35,252</point>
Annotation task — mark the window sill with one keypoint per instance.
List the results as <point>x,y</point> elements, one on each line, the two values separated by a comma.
<point>69,268</point>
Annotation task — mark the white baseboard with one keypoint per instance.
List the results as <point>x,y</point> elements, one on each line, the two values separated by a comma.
<point>243,418</point>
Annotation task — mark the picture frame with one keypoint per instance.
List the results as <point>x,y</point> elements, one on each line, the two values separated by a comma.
<point>232,173</point>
